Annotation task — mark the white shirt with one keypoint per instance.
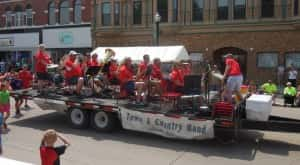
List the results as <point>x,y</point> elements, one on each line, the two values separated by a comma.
<point>292,74</point>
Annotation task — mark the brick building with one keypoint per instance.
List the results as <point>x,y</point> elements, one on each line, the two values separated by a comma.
<point>263,34</point>
<point>60,24</point>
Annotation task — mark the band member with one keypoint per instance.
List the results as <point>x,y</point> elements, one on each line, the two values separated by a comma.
<point>156,78</point>
<point>26,77</point>
<point>176,78</point>
<point>126,78</point>
<point>73,73</point>
<point>94,60</point>
<point>109,54</point>
<point>186,68</point>
<point>234,78</point>
<point>42,59</point>
<point>113,72</point>
<point>143,76</point>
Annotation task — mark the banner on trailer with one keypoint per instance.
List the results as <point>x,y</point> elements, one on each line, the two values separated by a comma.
<point>181,128</point>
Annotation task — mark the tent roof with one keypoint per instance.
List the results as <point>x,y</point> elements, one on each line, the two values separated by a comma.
<point>165,53</point>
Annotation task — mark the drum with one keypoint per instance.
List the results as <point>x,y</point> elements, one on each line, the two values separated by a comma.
<point>52,68</point>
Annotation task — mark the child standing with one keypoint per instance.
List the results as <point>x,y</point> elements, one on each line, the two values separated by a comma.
<point>4,103</point>
<point>48,152</point>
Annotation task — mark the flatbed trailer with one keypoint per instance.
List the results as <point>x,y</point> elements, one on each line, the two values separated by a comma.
<point>107,114</point>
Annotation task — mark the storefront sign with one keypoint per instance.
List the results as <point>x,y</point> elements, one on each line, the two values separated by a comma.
<point>6,42</point>
<point>181,128</point>
<point>66,38</point>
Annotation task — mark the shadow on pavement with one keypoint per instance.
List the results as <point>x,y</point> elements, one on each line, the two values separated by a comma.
<point>245,149</point>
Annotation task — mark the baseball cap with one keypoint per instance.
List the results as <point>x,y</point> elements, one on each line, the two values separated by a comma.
<point>228,55</point>
<point>72,52</point>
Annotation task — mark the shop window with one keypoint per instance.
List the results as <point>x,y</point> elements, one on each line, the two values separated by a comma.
<point>19,19</point>
<point>162,9</point>
<point>292,58</point>
<point>117,13</point>
<point>77,12</point>
<point>223,9</point>
<point>28,15</point>
<point>137,12</point>
<point>239,9</point>
<point>267,60</point>
<point>198,10</point>
<point>64,17</point>
<point>296,7</point>
<point>106,13</point>
<point>51,13</point>
<point>267,8</point>
<point>175,11</point>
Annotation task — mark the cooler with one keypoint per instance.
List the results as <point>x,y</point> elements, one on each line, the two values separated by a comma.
<point>258,107</point>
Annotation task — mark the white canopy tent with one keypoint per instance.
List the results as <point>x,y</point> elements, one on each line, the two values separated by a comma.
<point>165,53</point>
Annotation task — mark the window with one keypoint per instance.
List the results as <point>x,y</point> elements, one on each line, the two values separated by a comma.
<point>106,14</point>
<point>137,12</point>
<point>198,10</point>
<point>19,20</point>
<point>175,11</point>
<point>77,12</point>
<point>223,9</point>
<point>239,9</point>
<point>267,60</point>
<point>162,9</point>
<point>8,15</point>
<point>117,13</point>
<point>296,7</point>
<point>51,13</point>
<point>292,58</point>
<point>64,17</point>
<point>28,15</point>
<point>267,8</point>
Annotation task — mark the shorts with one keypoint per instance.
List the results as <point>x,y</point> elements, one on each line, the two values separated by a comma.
<point>42,76</point>
<point>5,108</point>
<point>72,81</point>
<point>234,83</point>
<point>129,87</point>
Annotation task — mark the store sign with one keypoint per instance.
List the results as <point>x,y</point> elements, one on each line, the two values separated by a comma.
<point>6,42</point>
<point>181,128</point>
<point>66,38</point>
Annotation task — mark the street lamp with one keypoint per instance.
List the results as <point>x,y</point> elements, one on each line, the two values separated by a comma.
<point>157,19</point>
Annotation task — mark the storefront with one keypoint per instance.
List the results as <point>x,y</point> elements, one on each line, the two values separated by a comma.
<point>17,49</point>
<point>60,41</point>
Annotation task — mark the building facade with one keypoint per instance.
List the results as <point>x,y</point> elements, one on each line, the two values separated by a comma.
<point>60,24</point>
<point>263,34</point>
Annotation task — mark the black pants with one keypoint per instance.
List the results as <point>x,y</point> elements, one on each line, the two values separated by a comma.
<point>294,82</point>
<point>289,99</point>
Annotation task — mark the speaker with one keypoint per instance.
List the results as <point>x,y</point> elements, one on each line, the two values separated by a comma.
<point>192,84</point>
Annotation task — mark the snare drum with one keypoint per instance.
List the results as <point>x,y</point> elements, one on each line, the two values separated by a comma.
<point>52,68</point>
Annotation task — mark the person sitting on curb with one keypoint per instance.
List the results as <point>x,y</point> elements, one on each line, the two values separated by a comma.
<point>48,152</point>
<point>270,88</point>
<point>289,94</point>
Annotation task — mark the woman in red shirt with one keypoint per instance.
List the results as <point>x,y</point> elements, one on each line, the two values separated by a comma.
<point>176,77</point>
<point>26,77</point>
<point>126,78</point>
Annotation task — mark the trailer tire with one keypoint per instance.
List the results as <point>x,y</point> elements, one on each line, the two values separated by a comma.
<point>103,121</point>
<point>78,118</point>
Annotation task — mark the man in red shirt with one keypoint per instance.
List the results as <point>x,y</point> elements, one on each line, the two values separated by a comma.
<point>42,59</point>
<point>113,72</point>
<point>26,77</point>
<point>143,75</point>
<point>234,78</point>
<point>176,77</point>
<point>126,78</point>
<point>94,60</point>
<point>73,72</point>
<point>156,78</point>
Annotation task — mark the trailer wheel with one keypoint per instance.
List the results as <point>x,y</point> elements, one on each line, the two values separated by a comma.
<point>78,118</point>
<point>103,121</point>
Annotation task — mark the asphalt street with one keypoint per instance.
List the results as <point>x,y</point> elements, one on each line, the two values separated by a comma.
<point>89,147</point>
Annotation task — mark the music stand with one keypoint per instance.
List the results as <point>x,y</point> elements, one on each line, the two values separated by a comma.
<point>93,71</point>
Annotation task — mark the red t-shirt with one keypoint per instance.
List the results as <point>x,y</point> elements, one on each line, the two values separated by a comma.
<point>40,67</point>
<point>176,75</point>
<point>113,67</point>
<point>48,155</point>
<point>26,78</point>
<point>156,72</point>
<point>125,74</point>
<point>143,67</point>
<point>93,63</point>
<point>72,71</point>
<point>234,67</point>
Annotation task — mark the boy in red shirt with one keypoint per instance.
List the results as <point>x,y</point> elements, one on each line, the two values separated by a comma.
<point>73,72</point>
<point>42,59</point>
<point>26,77</point>
<point>48,152</point>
